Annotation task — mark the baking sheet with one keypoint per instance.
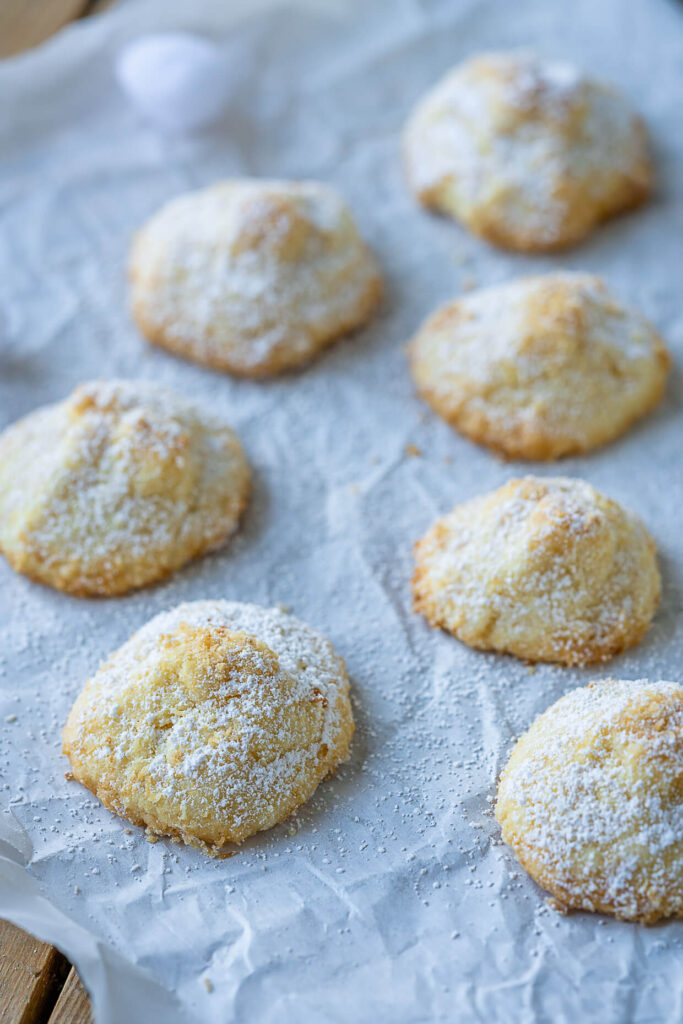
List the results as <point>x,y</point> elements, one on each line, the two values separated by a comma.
<point>389,896</point>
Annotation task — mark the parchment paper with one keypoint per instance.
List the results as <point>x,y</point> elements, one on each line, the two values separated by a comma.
<point>389,896</point>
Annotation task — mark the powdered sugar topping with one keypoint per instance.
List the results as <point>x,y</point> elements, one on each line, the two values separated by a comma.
<point>596,781</point>
<point>228,706</point>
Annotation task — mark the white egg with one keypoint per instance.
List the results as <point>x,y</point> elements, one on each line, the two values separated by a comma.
<point>179,81</point>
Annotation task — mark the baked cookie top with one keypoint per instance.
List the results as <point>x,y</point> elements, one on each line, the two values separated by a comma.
<point>252,276</point>
<point>591,800</point>
<point>546,569</point>
<point>116,487</point>
<point>541,367</point>
<point>530,154</point>
<point>214,721</point>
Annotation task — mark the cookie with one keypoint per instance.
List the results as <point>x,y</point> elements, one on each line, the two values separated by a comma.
<point>253,277</point>
<point>545,569</point>
<point>213,722</point>
<point>591,800</point>
<point>540,368</point>
<point>116,487</point>
<point>528,153</point>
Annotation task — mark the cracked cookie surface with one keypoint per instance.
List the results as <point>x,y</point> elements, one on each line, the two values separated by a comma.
<point>214,721</point>
<point>591,799</point>
<point>541,367</point>
<point>116,487</point>
<point>547,569</point>
<point>528,153</point>
<point>252,276</point>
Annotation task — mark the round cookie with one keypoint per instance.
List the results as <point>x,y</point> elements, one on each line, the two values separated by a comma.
<point>116,487</point>
<point>591,800</point>
<point>545,569</point>
<point>540,368</point>
<point>252,277</point>
<point>214,721</point>
<point>527,153</point>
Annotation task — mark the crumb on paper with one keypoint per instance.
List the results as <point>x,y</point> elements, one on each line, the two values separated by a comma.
<point>412,449</point>
<point>284,608</point>
<point>10,718</point>
<point>208,984</point>
<point>554,904</point>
